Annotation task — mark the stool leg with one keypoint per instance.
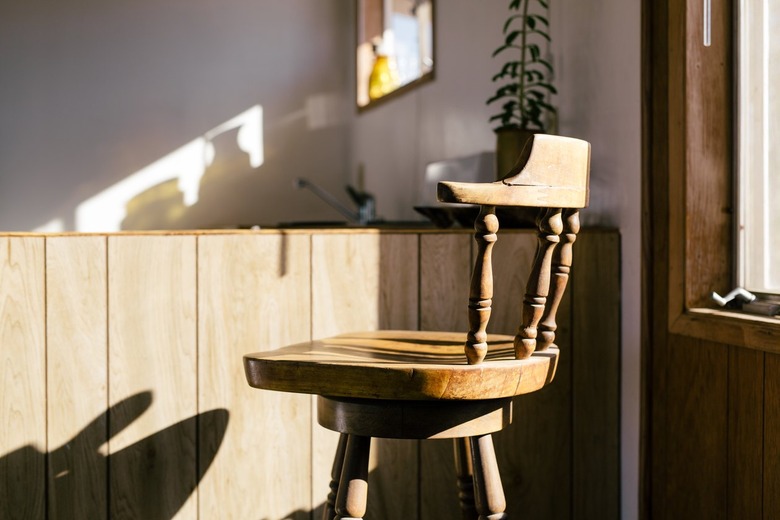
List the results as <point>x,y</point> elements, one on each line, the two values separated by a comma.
<point>490,499</point>
<point>353,486</point>
<point>465,478</point>
<point>335,476</point>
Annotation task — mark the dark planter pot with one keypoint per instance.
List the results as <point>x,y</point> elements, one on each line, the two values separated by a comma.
<point>509,144</point>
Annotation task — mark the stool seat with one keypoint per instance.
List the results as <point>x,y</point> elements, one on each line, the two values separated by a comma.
<point>395,364</point>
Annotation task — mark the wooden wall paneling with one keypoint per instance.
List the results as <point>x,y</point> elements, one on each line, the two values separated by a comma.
<point>696,429</point>
<point>445,274</point>
<point>513,256</point>
<point>746,433</point>
<point>152,376</point>
<point>77,373</point>
<point>445,271</point>
<point>253,295</point>
<point>595,337</point>
<point>771,462</point>
<point>534,453</point>
<point>361,263</point>
<point>23,383</point>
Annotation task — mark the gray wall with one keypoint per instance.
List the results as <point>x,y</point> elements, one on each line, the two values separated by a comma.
<point>92,92</point>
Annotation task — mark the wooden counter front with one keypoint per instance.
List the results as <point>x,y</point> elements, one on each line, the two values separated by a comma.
<point>123,395</point>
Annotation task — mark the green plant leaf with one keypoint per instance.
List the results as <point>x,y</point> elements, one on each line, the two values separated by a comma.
<point>511,37</point>
<point>540,33</point>
<point>547,106</point>
<point>515,4</point>
<point>542,85</point>
<point>539,18</point>
<point>544,4</point>
<point>509,22</point>
<point>546,64</point>
<point>495,52</point>
<point>509,69</point>
<point>534,50</point>
<point>533,75</point>
<point>506,90</point>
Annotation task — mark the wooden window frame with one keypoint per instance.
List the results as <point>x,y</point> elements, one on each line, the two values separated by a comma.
<point>688,178</point>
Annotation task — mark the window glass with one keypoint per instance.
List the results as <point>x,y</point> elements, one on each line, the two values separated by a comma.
<point>759,145</point>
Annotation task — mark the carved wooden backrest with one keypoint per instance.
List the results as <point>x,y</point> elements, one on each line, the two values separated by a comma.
<point>551,174</point>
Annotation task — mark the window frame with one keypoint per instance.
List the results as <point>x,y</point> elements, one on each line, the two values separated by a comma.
<point>689,213</point>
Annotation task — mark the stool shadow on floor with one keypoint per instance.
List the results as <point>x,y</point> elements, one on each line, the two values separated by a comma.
<point>151,478</point>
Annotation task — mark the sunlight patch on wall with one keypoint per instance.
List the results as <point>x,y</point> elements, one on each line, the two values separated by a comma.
<point>105,211</point>
<point>53,226</point>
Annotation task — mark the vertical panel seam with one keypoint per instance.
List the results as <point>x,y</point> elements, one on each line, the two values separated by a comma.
<point>419,326</point>
<point>197,378</point>
<point>419,281</point>
<point>312,411</point>
<point>729,437</point>
<point>46,483</point>
<point>108,379</point>
<point>763,429</point>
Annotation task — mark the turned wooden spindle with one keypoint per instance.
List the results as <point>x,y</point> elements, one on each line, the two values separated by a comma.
<point>550,227</point>
<point>489,499</point>
<point>561,266</point>
<point>335,475</point>
<point>481,293</point>
<point>465,476</point>
<point>352,494</point>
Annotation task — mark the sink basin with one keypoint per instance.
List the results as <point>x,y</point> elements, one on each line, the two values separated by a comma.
<point>378,224</point>
<point>313,224</point>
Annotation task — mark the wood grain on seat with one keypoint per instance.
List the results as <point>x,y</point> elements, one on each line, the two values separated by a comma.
<point>400,365</point>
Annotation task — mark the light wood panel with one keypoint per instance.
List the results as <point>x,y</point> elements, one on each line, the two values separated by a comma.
<point>77,403</point>
<point>152,355</point>
<point>595,391</point>
<point>445,270</point>
<point>253,295</point>
<point>23,382</point>
<point>362,282</point>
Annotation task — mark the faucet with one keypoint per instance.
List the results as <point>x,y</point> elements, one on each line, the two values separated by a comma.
<point>364,200</point>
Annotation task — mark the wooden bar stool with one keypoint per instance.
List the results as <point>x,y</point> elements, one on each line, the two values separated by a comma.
<point>419,384</point>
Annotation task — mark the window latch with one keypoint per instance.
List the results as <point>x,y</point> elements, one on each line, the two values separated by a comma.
<point>745,300</point>
<point>735,299</point>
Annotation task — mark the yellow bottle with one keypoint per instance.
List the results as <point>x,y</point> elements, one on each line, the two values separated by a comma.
<point>383,78</point>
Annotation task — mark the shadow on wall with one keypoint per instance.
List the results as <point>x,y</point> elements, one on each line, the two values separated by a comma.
<point>167,194</point>
<point>150,479</point>
<point>216,180</point>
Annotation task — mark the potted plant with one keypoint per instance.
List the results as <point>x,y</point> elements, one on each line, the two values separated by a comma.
<point>524,82</point>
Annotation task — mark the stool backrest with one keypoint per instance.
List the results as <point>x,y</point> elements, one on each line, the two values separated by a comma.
<point>551,174</point>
